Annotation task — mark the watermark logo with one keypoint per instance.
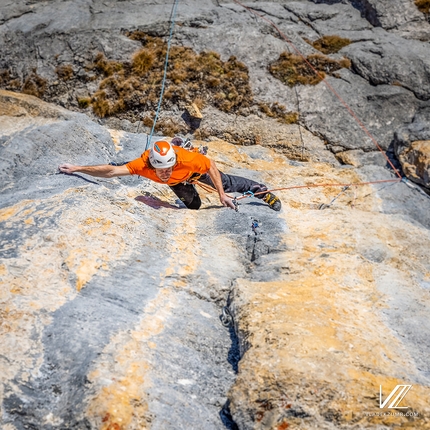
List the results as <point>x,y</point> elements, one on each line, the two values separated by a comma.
<point>394,398</point>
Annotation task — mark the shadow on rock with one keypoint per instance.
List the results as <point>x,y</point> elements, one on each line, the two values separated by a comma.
<point>192,122</point>
<point>226,417</point>
<point>154,202</point>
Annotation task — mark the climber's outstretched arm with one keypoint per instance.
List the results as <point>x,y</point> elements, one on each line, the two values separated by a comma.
<point>103,171</point>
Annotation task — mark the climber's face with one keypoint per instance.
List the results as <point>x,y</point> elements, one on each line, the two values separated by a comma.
<point>164,174</point>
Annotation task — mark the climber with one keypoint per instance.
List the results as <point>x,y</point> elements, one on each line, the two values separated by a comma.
<point>179,168</point>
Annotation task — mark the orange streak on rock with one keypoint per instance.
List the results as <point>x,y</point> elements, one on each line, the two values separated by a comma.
<point>120,399</point>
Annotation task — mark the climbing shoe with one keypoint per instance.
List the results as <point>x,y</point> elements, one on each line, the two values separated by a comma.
<point>273,201</point>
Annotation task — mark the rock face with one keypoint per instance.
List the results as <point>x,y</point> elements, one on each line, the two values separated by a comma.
<point>397,16</point>
<point>322,321</point>
<point>388,82</point>
<point>412,148</point>
<point>416,162</point>
<point>111,291</point>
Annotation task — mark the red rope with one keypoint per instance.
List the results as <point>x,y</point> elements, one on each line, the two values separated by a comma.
<point>210,189</point>
<point>318,185</point>
<point>363,127</point>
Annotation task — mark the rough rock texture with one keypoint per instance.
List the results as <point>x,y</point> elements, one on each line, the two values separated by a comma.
<point>412,148</point>
<point>315,340</point>
<point>397,16</point>
<point>416,162</point>
<point>111,292</point>
<point>386,86</point>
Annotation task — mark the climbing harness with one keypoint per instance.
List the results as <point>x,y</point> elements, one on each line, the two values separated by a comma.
<point>226,317</point>
<point>166,62</point>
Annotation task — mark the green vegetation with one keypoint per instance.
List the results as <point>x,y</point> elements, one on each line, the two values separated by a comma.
<point>84,102</point>
<point>293,70</point>
<point>423,6</point>
<point>136,85</point>
<point>131,89</point>
<point>276,110</point>
<point>330,44</point>
<point>34,85</point>
<point>64,72</point>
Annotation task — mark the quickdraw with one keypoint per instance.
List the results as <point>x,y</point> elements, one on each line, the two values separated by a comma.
<point>236,204</point>
<point>226,317</point>
<point>254,226</point>
<point>325,206</point>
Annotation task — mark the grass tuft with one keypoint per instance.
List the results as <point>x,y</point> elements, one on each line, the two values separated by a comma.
<point>34,85</point>
<point>330,44</point>
<point>293,70</point>
<point>101,106</point>
<point>135,86</point>
<point>142,62</point>
<point>104,66</point>
<point>276,110</point>
<point>423,6</point>
<point>64,72</point>
<point>5,77</point>
<point>84,102</point>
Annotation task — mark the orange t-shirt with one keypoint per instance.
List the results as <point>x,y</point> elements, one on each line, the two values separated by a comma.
<point>187,163</point>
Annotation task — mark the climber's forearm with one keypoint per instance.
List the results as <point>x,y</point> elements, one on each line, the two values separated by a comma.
<point>102,171</point>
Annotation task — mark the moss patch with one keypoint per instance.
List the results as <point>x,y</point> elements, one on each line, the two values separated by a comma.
<point>34,85</point>
<point>64,72</point>
<point>329,44</point>
<point>131,89</point>
<point>293,70</point>
<point>276,110</point>
<point>84,102</point>
<point>136,85</point>
<point>423,6</point>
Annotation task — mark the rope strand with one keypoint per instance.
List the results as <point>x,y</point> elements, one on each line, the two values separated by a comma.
<point>166,62</point>
<point>363,127</point>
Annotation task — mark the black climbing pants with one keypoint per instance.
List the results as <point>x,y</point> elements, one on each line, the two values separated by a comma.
<point>188,194</point>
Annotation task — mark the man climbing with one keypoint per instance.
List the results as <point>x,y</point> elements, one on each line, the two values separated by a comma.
<point>179,168</point>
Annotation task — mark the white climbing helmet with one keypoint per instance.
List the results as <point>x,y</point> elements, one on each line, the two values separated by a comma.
<point>162,155</point>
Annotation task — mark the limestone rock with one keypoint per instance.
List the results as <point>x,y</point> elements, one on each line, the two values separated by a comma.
<point>398,62</point>
<point>327,374</point>
<point>385,55</point>
<point>411,147</point>
<point>398,16</point>
<point>194,111</point>
<point>415,162</point>
<point>111,292</point>
<point>358,158</point>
